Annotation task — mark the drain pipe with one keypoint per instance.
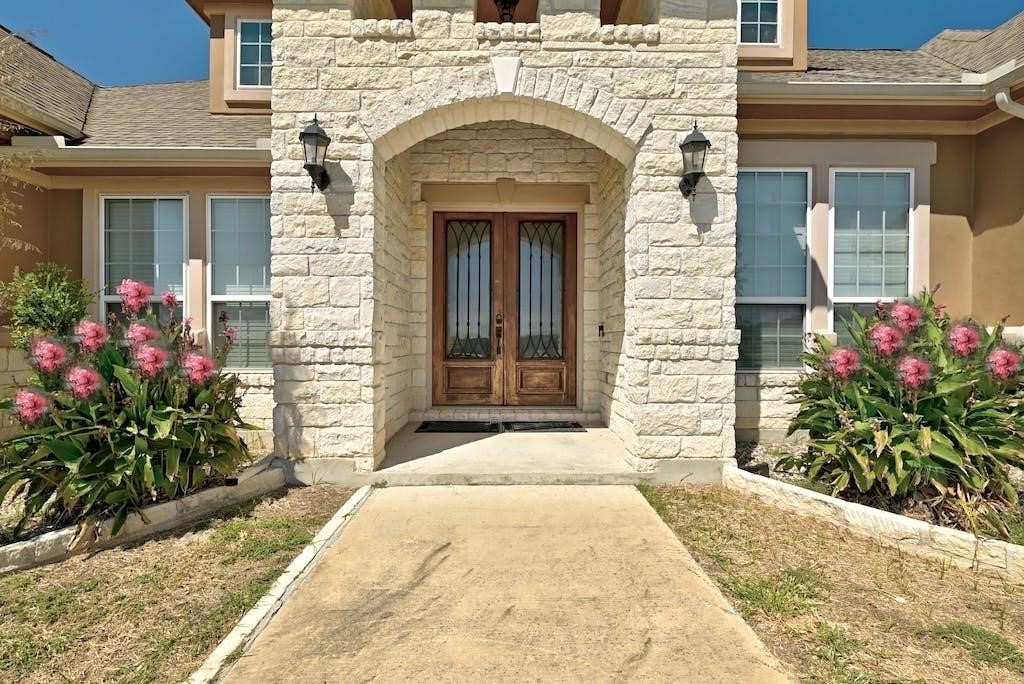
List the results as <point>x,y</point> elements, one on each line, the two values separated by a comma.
<point>1008,105</point>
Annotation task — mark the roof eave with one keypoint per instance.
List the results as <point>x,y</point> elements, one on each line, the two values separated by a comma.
<point>976,90</point>
<point>91,155</point>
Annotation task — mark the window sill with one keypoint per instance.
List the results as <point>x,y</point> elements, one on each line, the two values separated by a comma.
<point>382,28</point>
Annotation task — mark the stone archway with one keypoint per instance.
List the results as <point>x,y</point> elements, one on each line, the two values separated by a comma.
<point>405,117</point>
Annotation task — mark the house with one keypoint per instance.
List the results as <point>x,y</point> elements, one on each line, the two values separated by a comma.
<point>503,233</point>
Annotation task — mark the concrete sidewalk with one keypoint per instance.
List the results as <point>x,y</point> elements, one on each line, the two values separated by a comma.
<point>487,584</point>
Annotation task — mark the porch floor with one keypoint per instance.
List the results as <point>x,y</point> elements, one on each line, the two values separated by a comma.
<point>595,456</point>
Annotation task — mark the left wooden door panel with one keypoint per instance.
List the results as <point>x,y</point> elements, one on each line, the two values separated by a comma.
<point>467,293</point>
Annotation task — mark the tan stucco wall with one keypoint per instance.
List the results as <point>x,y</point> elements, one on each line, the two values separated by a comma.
<point>997,275</point>
<point>951,243</point>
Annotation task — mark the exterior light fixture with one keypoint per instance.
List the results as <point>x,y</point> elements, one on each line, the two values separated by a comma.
<point>695,151</point>
<point>314,148</point>
<point>506,9</point>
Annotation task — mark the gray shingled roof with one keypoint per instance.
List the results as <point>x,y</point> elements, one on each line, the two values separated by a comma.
<point>168,115</point>
<point>34,78</point>
<point>866,66</point>
<point>980,51</point>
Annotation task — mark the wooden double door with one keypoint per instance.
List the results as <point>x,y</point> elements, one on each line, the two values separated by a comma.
<point>504,309</point>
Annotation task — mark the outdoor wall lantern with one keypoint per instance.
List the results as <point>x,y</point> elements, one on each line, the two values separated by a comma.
<point>314,147</point>
<point>695,151</point>
<point>506,9</point>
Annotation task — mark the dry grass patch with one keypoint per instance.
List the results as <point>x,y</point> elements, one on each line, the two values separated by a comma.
<point>839,608</point>
<point>151,612</point>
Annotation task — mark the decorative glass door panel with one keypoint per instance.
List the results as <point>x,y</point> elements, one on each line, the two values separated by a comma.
<point>504,309</point>
<point>468,315</point>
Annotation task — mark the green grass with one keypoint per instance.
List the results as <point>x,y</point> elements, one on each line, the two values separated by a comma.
<point>655,499</point>
<point>984,646</point>
<point>154,610</point>
<point>833,655</point>
<point>1015,523</point>
<point>788,593</point>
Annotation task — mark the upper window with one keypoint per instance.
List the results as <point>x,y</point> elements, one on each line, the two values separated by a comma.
<point>255,57</point>
<point>143,239</point>
<point>771,269</point>
<point>759,22</point>
<point>240,276</point>
<point>871,223</point>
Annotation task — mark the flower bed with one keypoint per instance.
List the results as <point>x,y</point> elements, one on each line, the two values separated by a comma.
<point>121,415</point>
<point>919,413</point>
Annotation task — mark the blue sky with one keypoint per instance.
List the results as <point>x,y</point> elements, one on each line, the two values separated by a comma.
<point>169,42</point>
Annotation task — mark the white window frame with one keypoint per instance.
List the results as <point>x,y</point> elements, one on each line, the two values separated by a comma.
<point>238,52</point>
<point>778,24</point>
<point>911,238</point>
<point>211,298</point>
<point>113,298</point>
<point>806,299</point>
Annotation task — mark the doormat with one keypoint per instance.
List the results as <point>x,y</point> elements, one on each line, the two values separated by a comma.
<point>453,426</point>
<point>543,426</point>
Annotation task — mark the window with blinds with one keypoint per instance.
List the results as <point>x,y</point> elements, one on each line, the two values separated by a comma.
<point>871,222</point>
<point>143,239</point>
<point>771,269</point>
<point>240,276</point>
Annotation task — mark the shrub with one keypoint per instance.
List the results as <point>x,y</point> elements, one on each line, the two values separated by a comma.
<point>919,414</point>
<point>122,415</point>
<point>45,301</point>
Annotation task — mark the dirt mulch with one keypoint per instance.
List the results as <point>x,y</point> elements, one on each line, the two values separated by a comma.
<point>839,608</point>
<point>151,612</point>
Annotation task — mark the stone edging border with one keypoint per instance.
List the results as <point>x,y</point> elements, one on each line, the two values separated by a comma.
<point>962,549</point>
<point>253,622</point>
<point>56,546</point>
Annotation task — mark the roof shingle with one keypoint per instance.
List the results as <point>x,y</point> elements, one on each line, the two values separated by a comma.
<point>34,78</point>
<point>168,115</point>
<point>867,66</point>
<point>980,51</point>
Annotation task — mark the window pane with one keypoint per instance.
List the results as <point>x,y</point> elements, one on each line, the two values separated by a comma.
<point>748,11</point>
<point>871,256</point>
<point>771,336</point>
<point>249,76</point>
<point>250,32</point>
<point>250,54</point>
<point>253,322</point>
<point>748,33</point>
<point>144,240</point>
<point>769,33</point>
<point>240,240</point>
<point>771,235</point>
<point>842,315</point>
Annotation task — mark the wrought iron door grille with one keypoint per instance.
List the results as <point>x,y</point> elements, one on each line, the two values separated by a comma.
<point>541,269</point>
<point>468,290</point>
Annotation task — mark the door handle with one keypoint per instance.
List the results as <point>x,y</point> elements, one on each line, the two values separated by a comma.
<point>499,324</point>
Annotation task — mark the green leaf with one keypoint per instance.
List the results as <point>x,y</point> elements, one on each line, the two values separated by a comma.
<point>124,375</point>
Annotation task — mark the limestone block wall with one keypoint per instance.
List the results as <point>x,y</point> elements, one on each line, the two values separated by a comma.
<point>762,409</point>
<point>13,369</point>
<point>632,92</point>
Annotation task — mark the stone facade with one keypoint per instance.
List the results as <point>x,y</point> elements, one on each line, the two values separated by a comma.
<point>763,410</point>
<point>349,264</point>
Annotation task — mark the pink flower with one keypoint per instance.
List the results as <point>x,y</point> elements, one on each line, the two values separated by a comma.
<point>83,382</point>
<point>906,316</point>
<point>169,299</point>
<point>914,372</point>
<point>886,339</point>
<point>1003,363</point>
<point>186,322</point>
<point>843,363</point>
<point>231,334</point>
<point>140,333</point>
<point>91,336</point>
<point>48,356</point>
<point>939,308</point>
<point>198,367</point>
<point>964,340</point>
<point>150,360</point>
<point>30,406</point>
<point>134,294</point>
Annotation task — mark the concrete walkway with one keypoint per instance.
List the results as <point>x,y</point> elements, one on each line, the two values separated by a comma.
<point>489,584</point>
